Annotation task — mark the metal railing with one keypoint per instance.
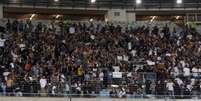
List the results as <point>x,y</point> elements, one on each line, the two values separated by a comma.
<point>128,96</point>
<point>138,85</point>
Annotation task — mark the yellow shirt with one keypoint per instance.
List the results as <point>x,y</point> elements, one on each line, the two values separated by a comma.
<point>80,71</point>
<point>9,83</point>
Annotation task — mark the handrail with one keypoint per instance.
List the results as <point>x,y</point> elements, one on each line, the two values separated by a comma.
<point>110,96</point>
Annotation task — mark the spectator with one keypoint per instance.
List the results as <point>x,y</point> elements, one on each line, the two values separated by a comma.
<point>3,87</point>
<point>9,86</point>
<point>43,85</point>
<point>122,93</point>
<point>170,88</point>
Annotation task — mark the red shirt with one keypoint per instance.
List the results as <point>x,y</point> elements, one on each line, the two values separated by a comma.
<point>27,67</point>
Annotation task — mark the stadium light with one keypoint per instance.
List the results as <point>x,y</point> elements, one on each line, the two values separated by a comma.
<point>106,20</point>
<point>93,1</point>
<point>179,1</point>
<point>56,0</point>
<point>138,1</point>
<point>32,16</point>
<point>153,18</point>
<point>91,20</point>
<point>57,16</point>
<point>177,17</point>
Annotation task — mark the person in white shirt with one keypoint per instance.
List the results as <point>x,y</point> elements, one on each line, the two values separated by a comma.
<point>195,72</point>
<point>150,52</point>
<point>43,84</point>
<point>122,93</point>
<point>54,90</point>
<point>179,81</point>
<point>189,87</point>
<point>133,52</point>
<point>14,56</point>
<point>175,71</point>
<point>72,30</point>
<point>116,68</point>
<point>5,74</point>
<point>2,41</point>
<point>101,75</point>
<point>170,88</point>
<point>67,88</point>
<point>186,71</point>
<point>199,71</point>
<point>183,64</point>
<point>129,45</point>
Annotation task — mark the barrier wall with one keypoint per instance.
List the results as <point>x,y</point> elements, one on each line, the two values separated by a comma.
<point>84,99</point>
<point>1,11</point>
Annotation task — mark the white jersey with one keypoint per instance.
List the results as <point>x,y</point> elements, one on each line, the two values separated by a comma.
<point>170,86</point>
<point>2,41</point>
<point>186,71</point>
<point>43,83</point>
<point>195,72</point>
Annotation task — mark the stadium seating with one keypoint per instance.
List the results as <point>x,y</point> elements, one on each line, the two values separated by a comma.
<point>92,59</point>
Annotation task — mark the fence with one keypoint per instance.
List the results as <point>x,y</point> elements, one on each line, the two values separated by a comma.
<point>125,85</point>
<point>84,99</point>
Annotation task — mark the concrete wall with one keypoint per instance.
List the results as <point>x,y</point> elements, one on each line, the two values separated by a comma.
<point>1,11</point>
<point>111,15</point>
<point>124,16</point>
<point>131,16</point>
<point>83,99</point>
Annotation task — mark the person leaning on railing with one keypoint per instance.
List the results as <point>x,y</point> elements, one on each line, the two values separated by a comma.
<point>43,85</point>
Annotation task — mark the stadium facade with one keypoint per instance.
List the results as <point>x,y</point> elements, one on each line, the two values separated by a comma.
<point>108,10</point>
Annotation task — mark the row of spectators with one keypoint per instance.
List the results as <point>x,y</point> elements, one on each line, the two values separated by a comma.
<point>98,59</point>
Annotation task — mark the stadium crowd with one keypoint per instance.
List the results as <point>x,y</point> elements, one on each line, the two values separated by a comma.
<point>98,59</point>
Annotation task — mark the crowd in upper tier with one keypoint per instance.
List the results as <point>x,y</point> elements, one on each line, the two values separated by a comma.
<point>90,59</point>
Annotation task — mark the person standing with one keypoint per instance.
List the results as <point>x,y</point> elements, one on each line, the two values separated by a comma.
<point>43,84</point>
<point>170,88</point>
<point>9,86</point>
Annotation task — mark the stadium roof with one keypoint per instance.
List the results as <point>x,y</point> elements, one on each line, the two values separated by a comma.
<point>129,4</point>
